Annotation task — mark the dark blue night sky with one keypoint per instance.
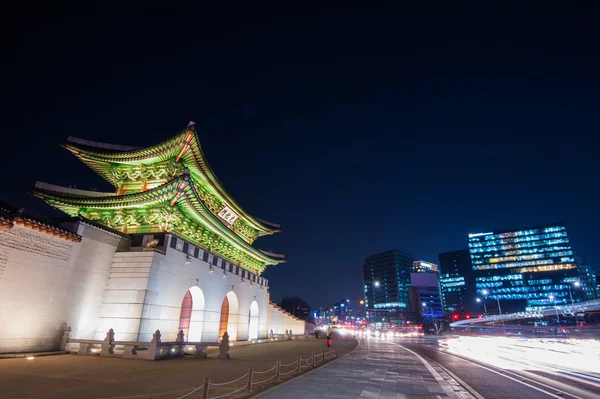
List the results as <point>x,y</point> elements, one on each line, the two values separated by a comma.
<point>359,130</point>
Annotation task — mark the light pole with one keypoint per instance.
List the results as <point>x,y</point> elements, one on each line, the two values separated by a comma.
<point>552,298</point>
<point>576,284</point>
<point>374,284</point>
<point>485,293</point>
<point>484,308</point>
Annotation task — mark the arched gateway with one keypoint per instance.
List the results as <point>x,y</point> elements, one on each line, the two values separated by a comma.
<point>192,314</point>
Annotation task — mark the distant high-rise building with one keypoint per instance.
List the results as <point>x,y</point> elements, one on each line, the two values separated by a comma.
<point>524,269</point>
<point>456,282</point>
<point>386,283</point>
<point>587,280</point>
<point>424,294</point>
<point>420,266</point>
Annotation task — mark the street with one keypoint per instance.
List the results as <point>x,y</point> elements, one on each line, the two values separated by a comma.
<point>509,370</point>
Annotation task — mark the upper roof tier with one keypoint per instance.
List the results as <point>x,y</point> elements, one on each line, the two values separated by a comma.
<point>121,165</point>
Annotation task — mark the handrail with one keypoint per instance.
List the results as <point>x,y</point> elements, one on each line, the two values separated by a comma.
<point>154,349</point>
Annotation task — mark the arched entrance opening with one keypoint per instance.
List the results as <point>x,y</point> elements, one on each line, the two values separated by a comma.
<point>192,314</point>
<point>229,316</point>
<point>253,321</point>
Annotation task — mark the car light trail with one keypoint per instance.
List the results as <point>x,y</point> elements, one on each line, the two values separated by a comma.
<point>529,354</point>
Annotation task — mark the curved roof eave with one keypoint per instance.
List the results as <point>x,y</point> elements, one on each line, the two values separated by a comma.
<point>120,154</point>
<point>136,200</point>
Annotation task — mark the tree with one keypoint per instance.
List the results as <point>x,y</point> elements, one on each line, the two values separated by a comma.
<point>296,306</point>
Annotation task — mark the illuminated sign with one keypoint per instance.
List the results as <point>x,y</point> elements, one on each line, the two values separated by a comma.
<point>228,215</point>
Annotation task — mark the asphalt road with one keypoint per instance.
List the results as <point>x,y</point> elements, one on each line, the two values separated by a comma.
<point>491,382</point>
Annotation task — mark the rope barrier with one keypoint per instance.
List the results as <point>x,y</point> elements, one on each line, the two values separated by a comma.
<point>230,382</point>
<point>188,394</point>
<point>312,360</point>
<point>266,371</point>
<point>230,393</point>
<point>263,381</point>
<point>307,365</point>
<point>288,372</point>
<point>288,365</point>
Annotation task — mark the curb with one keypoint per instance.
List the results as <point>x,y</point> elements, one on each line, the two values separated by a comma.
<point>34,354</point>
<point>258,395</point>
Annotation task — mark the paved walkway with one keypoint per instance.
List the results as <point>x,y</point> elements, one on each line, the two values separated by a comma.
<point>376,369</point>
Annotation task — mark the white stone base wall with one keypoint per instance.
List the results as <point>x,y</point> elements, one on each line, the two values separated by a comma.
<point>280,321</point>
<point>47,283</point>
<point>146,291</point>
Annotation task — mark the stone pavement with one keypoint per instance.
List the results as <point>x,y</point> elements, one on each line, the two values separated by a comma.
<point>376,369</point>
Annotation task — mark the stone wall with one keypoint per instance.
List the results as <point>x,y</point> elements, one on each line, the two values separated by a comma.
<point>280,321</point>
<point>47,282</point>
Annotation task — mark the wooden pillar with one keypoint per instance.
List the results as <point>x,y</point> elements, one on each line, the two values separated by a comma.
<point>206,386</point>
<point>278,370</point>
<point>250,372</point>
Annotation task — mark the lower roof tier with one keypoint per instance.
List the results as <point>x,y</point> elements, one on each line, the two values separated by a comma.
<point>172,207</point>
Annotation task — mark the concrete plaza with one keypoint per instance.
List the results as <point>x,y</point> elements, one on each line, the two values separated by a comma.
<point>77,376</point>
<point>376,369</point>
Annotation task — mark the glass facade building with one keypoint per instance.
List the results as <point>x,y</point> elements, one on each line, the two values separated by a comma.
<point>456,282</point>
<point>386,282</point>
<point>524,269</point>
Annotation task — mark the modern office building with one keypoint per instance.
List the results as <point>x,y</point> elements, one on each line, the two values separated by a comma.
<point>420,266</point>
<point>386,283</point>
<point>424,295</point>
<point>456,282</point>
<point>524,269</point>
<point>587,280</point>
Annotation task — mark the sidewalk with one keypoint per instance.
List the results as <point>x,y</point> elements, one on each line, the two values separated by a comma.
<point>376,369</point>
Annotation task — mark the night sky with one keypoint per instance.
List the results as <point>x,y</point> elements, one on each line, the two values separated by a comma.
<point>359,130</point>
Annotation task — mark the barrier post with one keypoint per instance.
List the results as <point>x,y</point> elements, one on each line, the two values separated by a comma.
<point>278,370</point>
<point>250,371</point>
<point>206,386</point>
<point>298,366</point>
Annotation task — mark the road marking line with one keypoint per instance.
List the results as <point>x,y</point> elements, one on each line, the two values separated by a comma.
<point>472,361</point>
<point>466,386</point>
<point>434,373</point>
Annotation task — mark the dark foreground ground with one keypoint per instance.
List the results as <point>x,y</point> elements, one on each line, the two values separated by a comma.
<point>74,376</point>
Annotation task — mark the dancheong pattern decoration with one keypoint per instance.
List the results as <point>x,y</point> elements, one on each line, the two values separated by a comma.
<point>168,187</point>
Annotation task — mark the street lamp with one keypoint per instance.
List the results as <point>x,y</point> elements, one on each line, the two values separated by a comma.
<point>552,298</point>
<point>376,283</point>
<point>485,294</point>
<point>484,308</point>
<point>576,284</point>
